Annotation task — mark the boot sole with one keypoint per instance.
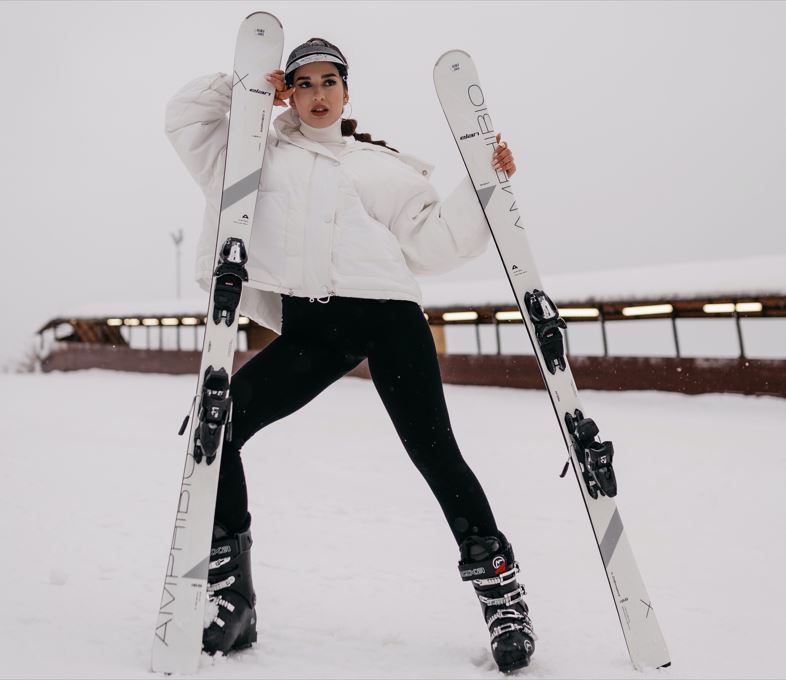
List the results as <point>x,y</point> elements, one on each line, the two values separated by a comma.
<point>514,667</point>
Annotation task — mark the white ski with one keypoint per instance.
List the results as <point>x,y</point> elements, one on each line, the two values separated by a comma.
<point>177,643</point>
<point>466,109</point>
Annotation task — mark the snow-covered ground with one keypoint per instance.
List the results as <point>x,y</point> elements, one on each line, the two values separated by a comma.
<point>354,568</point>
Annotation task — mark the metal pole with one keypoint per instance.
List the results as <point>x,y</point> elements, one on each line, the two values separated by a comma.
<point>739,330</point>
<point>602,317</point>
<point>178,239</point>
<point>674,331</point>
<point>567,346</point>
<point>477,336</point>
<point>496,333</point>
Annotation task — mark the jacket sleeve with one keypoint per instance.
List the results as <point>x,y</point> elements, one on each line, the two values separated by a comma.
<point>197,125</point>
<point>437,236</point>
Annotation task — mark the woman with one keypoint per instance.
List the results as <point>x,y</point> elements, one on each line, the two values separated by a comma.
<point>343,224</point>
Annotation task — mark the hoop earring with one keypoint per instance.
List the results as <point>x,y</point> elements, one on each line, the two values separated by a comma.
<point>350,110</point>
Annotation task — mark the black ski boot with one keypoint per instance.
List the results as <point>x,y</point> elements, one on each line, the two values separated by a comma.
<point>230,612</point>
<point>488,562</point>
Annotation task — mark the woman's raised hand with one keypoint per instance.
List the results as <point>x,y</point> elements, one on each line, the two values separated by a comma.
<point>276,79</point>
<point>503,157</point>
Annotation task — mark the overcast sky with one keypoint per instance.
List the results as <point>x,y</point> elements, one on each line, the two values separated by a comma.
<point>645,133</point>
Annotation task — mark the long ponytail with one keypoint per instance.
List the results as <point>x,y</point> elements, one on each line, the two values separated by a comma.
<point>348,127</point>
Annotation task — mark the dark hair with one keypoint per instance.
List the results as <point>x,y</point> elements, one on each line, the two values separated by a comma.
<point>348,125</point>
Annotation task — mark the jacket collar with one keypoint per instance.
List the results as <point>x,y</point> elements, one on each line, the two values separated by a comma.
<point>287,127</point>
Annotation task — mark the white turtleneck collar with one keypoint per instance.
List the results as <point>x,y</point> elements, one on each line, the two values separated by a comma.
<point>327,135</point>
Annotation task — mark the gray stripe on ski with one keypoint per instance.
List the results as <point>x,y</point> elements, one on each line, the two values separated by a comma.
<point>611,537</point>
<point>485,195</point>
<point>199,571</point>
<point>241,189</point>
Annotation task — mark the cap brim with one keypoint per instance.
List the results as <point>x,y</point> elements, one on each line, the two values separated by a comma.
<point>310,59</point>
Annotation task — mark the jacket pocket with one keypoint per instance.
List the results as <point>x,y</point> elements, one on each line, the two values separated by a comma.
<point>268,244</point>
<point>366,249</point>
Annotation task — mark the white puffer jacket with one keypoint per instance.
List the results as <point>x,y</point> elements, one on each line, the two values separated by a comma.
<point>359,224</point>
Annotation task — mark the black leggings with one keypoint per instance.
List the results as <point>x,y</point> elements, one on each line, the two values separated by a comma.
<point>319,343</point>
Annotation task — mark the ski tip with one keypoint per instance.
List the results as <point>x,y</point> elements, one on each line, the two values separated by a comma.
<point>272,16</point>
<point>448,55</point>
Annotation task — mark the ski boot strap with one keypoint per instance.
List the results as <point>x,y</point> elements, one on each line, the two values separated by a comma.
<point>491,572</point>
<point>221,585</point>
<point>505,600</point>
<point>231,546</point>
<point>489,568</point>
<point>519,622</point>
<point>504,578</point>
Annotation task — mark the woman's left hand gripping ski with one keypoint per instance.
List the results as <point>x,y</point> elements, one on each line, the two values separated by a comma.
<point>276,79</point>
<point>502,159</point>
